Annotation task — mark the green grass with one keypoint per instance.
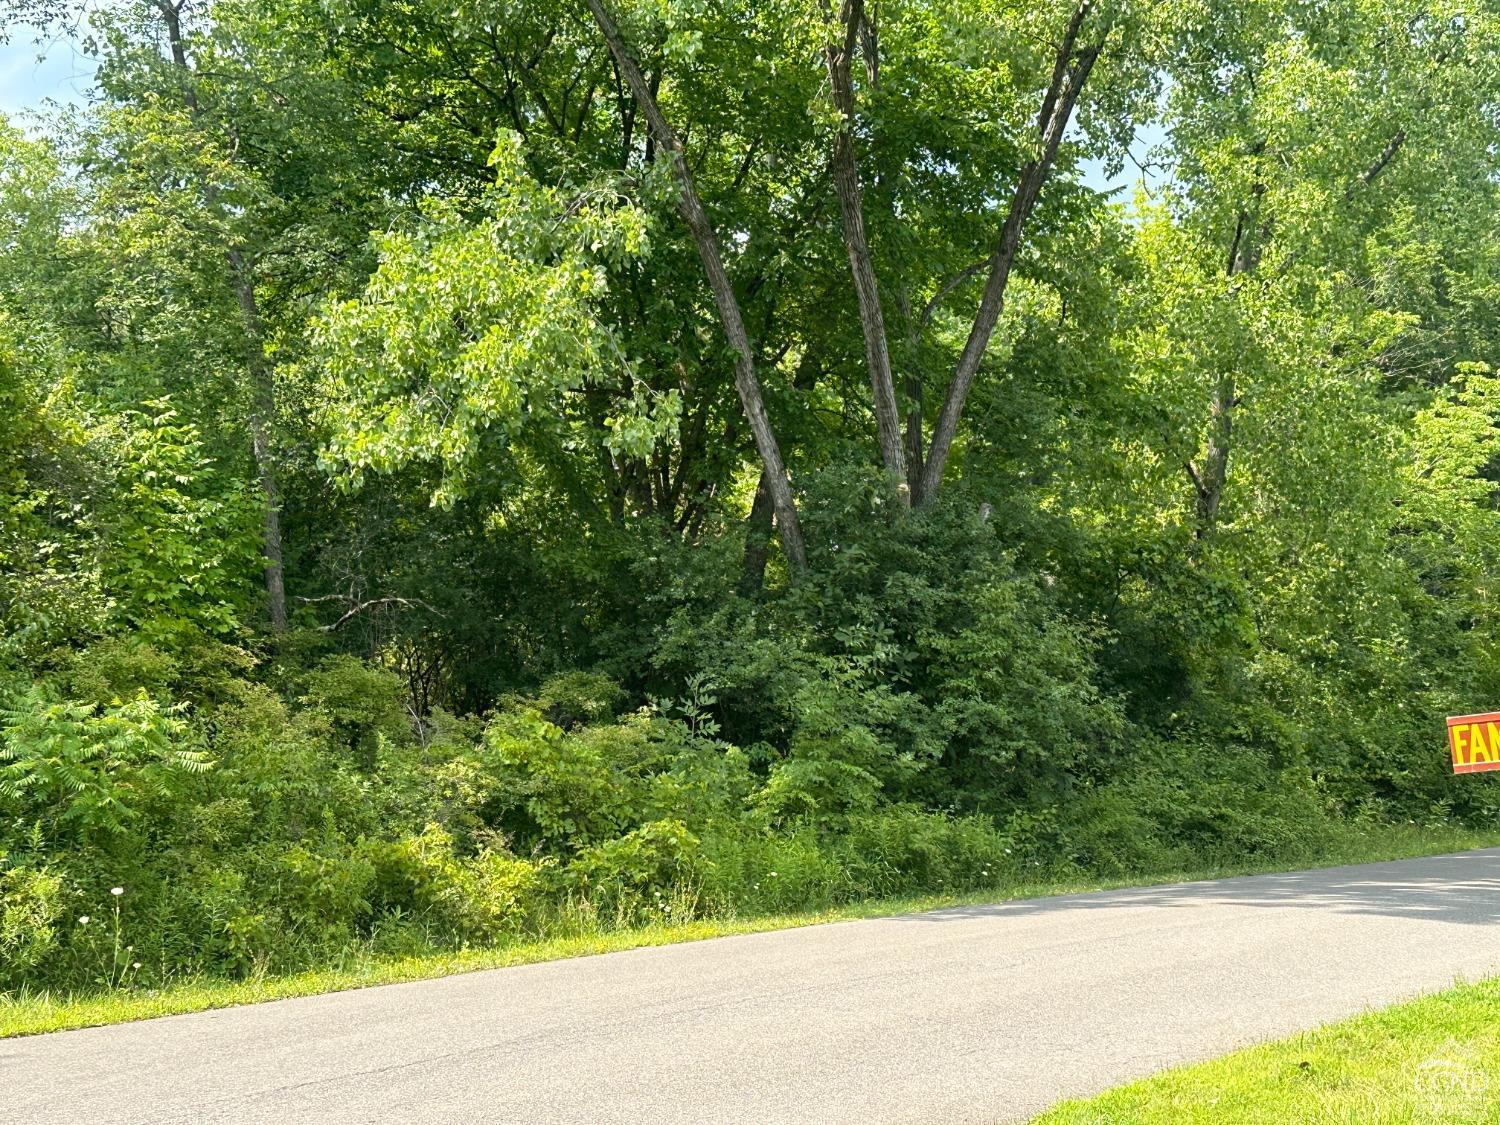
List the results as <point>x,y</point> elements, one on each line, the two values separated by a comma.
<point>32,1013</point>
<point>1434,1060</point>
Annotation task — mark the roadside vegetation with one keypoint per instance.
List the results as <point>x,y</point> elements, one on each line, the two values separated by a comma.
<point>437,516</point>
<point>362,964</point>
<point>1428,1062</point>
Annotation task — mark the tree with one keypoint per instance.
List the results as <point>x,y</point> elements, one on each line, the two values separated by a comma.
<point>232,171</point>
<point>747,382</point>
<point>469,335</point>
<point>1300,157</point>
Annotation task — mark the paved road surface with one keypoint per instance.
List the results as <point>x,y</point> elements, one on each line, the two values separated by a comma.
<point>983,1013</point>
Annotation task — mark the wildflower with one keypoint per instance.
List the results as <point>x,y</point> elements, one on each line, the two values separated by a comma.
<point>117,891</point>
<point>773,874</point>
<point>137,965</point>
<point>83,920</point>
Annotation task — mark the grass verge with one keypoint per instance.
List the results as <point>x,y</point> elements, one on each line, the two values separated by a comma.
<point>33,1013</point>
<point>1429,1061</point>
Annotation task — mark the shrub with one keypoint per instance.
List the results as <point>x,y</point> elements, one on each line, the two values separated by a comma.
<point>571,699</point>
<point>906,849</point>
<point>906,749</point>
<point>500,893</point>
<point>361,703</point>
<point>637,873</point>
<point>181,539</point>
<point>558,791</point>
<point>763,871</point>
<point>325,890</point>
<point>477,898</point>
<point>119,668</point>
<point>91,769</point>
<point>1188,803</point>
<point>31,907</point>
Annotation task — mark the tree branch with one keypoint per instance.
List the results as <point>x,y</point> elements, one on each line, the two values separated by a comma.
<point>930,309</point>
<point>838,56</point>
<point>1069,74</point>
<point>747,382</point>
<point>1387,154</point>
<point>357,607</point>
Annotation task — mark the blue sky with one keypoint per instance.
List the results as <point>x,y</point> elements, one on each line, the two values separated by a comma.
<point>62,75</point>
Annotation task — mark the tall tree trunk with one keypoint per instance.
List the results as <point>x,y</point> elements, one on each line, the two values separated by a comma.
<point>1069,73</point>
<point>838,54</point>
<point>1250,236</point>
<point>1208,480</point>
<point>914,421</point>
<point>757,541</point>
<point>747,382</point>
<point>262,389</point>
<point>915,391</point>
<point>1252,233</point>
<point>262,410</point>
<point>271,525</point>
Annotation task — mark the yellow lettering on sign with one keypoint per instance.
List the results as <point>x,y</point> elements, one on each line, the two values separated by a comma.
<point>1479,750</point>
<point>1475,743</point>
<point>1460,744</point>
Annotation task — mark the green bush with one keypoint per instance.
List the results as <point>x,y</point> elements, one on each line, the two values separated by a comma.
<point>640,872</point>
<point>91,769</point>
<point>880,730</point>
<point>1194,803</point>
<point>763,871</point>
<point>558,790</point>
<point>325,890</point>
<point>475,898</point>
<point>362,704</point>
<point>906,850</point>
<point>31,913</point>
<point>571,699</point>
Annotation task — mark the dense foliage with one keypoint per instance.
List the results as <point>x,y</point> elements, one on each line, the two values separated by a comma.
<point>469,470</point>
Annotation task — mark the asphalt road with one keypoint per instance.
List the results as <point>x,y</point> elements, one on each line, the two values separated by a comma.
<point>986,1013</point>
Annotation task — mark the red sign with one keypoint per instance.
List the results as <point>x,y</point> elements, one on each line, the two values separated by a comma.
<point>1475,742</point>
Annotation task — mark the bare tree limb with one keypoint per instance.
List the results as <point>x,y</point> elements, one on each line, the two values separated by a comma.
<point>1195,477</point>
<point>361,607</point>
<point>1069,74</point>
<point>747,382</point>
<point>963,275</point>
<point>1387,154</point>
<point>838,54</point>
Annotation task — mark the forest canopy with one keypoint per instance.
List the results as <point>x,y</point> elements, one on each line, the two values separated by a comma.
<point>471,467</point>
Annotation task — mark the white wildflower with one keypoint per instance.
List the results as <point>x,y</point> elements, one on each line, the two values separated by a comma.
<point>117,891</point>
